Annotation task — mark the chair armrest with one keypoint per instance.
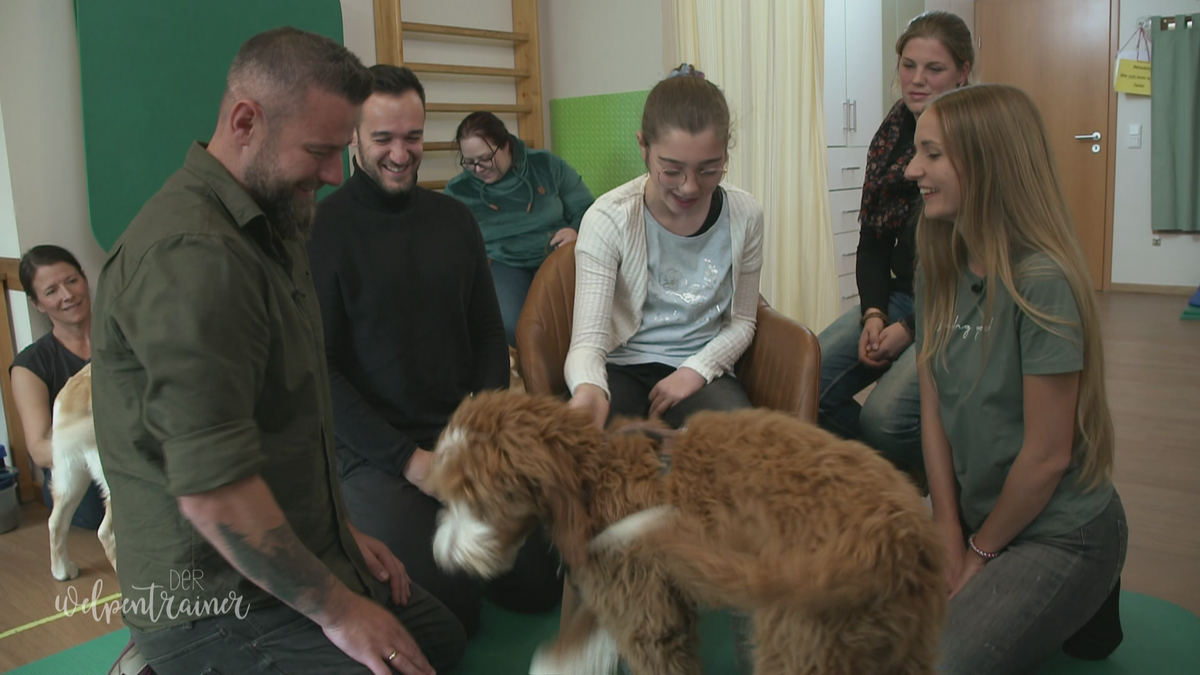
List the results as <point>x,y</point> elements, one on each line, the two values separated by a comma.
<point>544,327</point>
<point>781,369</point>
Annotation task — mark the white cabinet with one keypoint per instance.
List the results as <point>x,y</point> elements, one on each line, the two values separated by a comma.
<point>853,112</point>
<point>853,79</point>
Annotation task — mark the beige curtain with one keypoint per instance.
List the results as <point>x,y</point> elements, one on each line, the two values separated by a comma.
<point>767,57</point>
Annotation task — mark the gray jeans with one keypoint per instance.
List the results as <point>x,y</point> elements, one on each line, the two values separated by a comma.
<point>282,641</point>
<point>1024,604</point>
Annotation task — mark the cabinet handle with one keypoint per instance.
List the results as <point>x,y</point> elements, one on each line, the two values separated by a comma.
<point>852,295</point>
<point>854,113</point>
<point>847,255</point>
<point>851,168</point>
<point>846,115</point>
<point>851,210</point>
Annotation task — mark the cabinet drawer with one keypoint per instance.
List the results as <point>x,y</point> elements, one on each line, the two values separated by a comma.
<point>846,167</point>
<point>844,208</point>
<point>848,288</point>
<point>845,246</point>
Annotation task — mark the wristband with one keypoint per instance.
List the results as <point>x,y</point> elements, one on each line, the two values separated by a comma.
<point>978,551</point>
<point>872,314</point>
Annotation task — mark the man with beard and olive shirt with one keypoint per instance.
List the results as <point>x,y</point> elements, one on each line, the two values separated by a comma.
<point>212,407</point>
<point>412,326</point>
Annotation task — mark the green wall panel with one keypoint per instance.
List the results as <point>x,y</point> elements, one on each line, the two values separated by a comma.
<point>153,72</point>
<point>597,135</point>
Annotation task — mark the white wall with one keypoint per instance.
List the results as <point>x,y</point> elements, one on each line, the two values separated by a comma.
<point>1135,259</point>
<point>587,48</point>
<point>591,48</point>
<point>43,123</point>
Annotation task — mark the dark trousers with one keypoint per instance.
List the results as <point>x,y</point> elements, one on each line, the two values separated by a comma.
<point>279,639</point>
<point>394,511</point>
<point>629,393</point>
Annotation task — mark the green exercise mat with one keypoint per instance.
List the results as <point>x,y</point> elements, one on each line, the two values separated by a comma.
<point>1161,638</point>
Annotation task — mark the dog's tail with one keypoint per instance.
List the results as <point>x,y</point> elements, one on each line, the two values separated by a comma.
<point>719,576</point>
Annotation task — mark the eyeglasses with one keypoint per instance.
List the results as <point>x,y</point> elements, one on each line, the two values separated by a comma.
<point>672,179</point>
<point>481,163</point>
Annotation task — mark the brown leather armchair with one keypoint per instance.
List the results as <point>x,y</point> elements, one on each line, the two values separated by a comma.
<point>780,370</point>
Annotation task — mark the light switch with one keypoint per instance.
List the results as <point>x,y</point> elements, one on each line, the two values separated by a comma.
<point>1135,135</point>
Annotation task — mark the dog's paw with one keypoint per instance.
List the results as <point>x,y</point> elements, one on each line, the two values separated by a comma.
<point>598,656</point>
<point>65,572</point>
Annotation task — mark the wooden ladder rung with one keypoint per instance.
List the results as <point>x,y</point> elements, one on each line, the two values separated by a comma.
<point>432,184</point>
<point>476,107</point>
<point>448,69</point>
<point>458,31</point>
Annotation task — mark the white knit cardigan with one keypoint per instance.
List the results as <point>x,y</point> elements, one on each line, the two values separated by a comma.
<point>610,284</point>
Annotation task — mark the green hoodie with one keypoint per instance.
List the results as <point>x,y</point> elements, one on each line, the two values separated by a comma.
<point>518,214</point>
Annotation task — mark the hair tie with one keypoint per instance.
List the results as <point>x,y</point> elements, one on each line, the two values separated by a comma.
<point>686,69</point>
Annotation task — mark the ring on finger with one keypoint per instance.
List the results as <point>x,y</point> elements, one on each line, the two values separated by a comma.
<point>390,657</point>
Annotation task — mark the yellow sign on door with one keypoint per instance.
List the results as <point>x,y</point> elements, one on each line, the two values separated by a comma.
<point>1133,77</point>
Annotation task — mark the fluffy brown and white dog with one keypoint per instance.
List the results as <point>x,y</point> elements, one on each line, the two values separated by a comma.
<point>826,546</point>
<point>76,466</point>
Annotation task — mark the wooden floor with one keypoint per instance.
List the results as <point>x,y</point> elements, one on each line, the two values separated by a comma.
<point>1153,388</point>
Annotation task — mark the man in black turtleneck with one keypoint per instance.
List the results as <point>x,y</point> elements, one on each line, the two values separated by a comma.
<point>412,326</point>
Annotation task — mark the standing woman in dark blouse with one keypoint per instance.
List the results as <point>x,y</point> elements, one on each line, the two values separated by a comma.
<point>58,288</point>
<point>870,343</point>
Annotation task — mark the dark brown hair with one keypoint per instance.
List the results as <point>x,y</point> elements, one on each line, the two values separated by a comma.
<point>41,256</point>
<point>945,27</point>
<point>687,102</point>
<point>485,125</point>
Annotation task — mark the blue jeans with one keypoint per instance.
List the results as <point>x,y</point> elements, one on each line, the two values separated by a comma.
<point>890,421</point>
<point>1025,603</point>
<point>512,285</point>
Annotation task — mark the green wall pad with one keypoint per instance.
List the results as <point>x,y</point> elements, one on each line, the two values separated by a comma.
<point>1160,639</point>
<point>597,135</point>
<point>153,74</point>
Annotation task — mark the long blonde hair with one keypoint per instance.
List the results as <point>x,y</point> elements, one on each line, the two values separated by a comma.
<point>1012,205</point>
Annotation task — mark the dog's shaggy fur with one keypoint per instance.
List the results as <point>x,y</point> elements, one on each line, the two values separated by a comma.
<point>76,465</point>
<point>826,546</point>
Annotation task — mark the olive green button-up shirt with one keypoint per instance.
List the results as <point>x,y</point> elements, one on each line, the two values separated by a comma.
<point>208,367</point>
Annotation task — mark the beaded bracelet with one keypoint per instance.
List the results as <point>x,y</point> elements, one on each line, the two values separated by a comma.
<point>978,551</point>
<point>872,313</point>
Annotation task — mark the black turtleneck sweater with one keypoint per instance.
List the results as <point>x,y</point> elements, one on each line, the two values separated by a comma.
<point>411,320</point>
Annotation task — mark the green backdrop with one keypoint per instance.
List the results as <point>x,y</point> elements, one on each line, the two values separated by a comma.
<point>597,136</point>
<point>152,74</point>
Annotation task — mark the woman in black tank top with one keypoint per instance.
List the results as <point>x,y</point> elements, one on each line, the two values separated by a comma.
<point>58,288</point>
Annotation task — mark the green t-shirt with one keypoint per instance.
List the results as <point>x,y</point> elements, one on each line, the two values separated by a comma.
<point>981,389</point>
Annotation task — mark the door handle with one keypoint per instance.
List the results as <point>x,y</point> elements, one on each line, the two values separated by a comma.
<point>1094,136</point>
<point>846,115</point>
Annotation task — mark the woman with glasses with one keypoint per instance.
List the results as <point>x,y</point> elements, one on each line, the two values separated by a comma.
<point>528,202</point>
<point>870,343</point>
<point>667,270</point>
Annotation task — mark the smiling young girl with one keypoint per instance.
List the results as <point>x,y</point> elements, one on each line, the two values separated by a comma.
<point>667,270</point>
<point>1017,435</point>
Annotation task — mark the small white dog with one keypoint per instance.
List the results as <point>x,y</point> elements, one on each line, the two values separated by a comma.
<point>76,466</point>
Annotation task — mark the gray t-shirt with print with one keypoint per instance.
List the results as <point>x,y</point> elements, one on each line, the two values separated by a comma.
<point>981,389</point>
<point>689,292</point>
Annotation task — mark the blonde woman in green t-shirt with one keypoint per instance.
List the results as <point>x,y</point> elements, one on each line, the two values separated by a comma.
<point>1016,432</point>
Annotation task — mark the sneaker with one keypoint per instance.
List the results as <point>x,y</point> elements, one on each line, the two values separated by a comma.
<point>130,662</point>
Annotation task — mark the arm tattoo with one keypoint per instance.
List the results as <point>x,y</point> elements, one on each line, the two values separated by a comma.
<point>281,565</point>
